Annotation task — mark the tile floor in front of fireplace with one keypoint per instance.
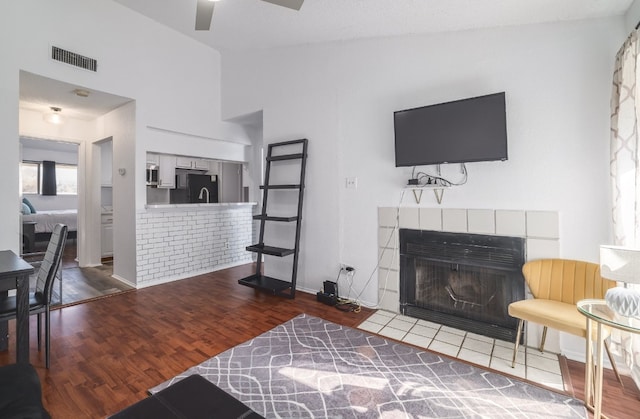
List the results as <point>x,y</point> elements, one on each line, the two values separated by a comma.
<point>531,364</point>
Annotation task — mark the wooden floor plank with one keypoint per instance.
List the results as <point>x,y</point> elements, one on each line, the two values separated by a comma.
<point>108,352</point>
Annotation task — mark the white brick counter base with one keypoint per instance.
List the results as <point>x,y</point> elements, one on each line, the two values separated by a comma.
<point>179,241</point>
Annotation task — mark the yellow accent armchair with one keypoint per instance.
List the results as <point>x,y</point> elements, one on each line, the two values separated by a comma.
<point>557,285</point>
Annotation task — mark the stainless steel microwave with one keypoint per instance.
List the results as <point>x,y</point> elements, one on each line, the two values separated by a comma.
<point>152,175</point>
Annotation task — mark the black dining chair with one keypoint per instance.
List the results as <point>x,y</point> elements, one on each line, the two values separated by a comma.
<point>40,298</point>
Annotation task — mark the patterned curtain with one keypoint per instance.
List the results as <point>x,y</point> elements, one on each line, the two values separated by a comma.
<point>625,176</point>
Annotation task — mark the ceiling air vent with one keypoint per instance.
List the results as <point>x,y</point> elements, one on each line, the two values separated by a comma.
<point>74,59</point>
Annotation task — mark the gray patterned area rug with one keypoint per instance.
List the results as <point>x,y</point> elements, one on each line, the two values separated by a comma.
<point>312,368</point>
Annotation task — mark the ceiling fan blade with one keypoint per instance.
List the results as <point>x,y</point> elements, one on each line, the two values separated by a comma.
<point>291,4</point>
<point>204,13</point>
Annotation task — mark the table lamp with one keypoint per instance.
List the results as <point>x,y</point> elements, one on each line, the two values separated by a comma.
<point>621,264</point>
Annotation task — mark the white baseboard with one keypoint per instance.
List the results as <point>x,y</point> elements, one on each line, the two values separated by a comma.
<point>581,357</point>
<point>191,274</point>
<point>124,281</point>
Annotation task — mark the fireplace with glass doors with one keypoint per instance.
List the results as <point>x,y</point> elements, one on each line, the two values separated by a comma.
<point>462,280</point>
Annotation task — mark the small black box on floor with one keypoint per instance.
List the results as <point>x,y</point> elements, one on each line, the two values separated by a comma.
<point>328,299</point>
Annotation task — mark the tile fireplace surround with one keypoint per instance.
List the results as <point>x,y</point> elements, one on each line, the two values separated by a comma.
<point>540,229</point>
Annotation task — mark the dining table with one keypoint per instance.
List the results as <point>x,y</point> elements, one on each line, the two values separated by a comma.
<point>14,275</point>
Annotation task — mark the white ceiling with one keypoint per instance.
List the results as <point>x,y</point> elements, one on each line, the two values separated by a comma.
<point>39,93</point>
<point>50,145</point>
<point>256,24</point>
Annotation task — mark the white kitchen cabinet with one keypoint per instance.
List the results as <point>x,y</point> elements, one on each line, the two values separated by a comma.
<point>191,163</point>
<point>167,172</point>
<point>183,162</point>
<point>153,158</point>
<point>106,235</point>
<point>200,164</point>
<point>106,163</point>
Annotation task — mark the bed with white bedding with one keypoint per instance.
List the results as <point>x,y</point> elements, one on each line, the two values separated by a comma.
<point>46,220</point>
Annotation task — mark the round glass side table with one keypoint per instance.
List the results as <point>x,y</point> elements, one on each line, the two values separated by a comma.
<point>597,311</point>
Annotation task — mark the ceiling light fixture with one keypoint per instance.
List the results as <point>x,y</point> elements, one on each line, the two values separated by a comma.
<point>55,116</point>
<point>81,92</point>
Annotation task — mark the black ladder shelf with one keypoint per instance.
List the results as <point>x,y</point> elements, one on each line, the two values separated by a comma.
<point>258,280</point>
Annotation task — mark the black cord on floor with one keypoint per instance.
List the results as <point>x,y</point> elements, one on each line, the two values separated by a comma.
<point>347,306</point>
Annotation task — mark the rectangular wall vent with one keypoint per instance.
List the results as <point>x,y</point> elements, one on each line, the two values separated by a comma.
<point>74,59</point>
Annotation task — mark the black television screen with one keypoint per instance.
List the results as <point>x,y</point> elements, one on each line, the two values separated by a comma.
<point>461,131</point>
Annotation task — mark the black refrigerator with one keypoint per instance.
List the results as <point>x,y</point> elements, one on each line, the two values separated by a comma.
<point>202,189</point>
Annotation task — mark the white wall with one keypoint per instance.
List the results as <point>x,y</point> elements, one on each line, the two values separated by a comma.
<point>120,125</point>
<point>174,80</point>
<point>557,79</point>
<point>632,17</point>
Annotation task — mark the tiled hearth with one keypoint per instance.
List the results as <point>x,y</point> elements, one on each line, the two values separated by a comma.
<point>540,229</point>
<point>532,365</point>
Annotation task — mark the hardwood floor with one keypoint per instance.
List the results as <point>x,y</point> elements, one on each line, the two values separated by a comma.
<point>81,284</point>
<point>618,402</point>
<point>106,353</point>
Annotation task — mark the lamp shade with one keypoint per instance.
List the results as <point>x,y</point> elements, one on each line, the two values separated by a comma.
<point>620,264</point>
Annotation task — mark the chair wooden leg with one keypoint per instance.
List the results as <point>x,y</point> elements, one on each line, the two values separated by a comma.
<point>47,337</point>
<point>39,328</point>
<point>544,338</point>
<point>515,347</point>
<point>613,364</point>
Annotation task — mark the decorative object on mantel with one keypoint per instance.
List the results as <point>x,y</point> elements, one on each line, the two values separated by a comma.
<point>621,264</point>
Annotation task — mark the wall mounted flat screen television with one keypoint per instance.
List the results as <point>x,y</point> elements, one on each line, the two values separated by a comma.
<point>462,131</point>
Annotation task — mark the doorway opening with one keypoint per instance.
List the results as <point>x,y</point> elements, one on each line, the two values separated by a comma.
<point>79,111</point>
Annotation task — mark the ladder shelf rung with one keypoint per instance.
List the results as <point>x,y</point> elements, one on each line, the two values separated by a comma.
<point>270,218</point>
<point>280,186</point>
<point>266,283</point>
<point>286,157</point>
<point>270,250</point>
<point>283,143</point>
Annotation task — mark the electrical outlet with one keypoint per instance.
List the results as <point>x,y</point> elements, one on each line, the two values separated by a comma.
<point>351,183</point>
<point>346,267</point>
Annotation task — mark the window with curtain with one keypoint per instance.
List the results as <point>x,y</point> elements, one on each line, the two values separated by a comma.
<point>66,179</point>
<point>30,173</point>
<point>59,178</point>
<point>625,176</point>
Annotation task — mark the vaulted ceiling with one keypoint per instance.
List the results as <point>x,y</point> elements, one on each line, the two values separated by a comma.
<point>258,24</point>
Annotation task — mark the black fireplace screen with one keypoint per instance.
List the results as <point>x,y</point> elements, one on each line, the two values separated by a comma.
<point>462,280</point>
